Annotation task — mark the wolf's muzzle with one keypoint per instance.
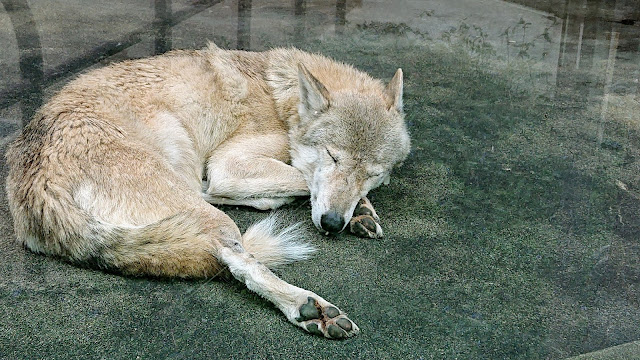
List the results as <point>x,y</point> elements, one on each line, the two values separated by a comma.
<point>332,222</point>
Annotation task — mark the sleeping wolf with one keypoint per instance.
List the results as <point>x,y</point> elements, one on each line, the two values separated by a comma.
<point>118,169</point>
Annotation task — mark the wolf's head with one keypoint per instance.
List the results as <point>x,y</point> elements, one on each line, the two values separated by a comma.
<point>346,144</point>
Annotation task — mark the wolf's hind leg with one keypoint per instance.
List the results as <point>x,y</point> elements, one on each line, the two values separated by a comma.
<point>364,222</point>
<point>302,307</point>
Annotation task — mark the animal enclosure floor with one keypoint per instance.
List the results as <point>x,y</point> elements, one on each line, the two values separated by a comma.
<point>512,231</point>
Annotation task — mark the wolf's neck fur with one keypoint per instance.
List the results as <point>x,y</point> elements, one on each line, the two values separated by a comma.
<point>282,78</point>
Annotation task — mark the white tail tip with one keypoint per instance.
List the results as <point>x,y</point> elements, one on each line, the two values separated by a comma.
<point>274,247</point>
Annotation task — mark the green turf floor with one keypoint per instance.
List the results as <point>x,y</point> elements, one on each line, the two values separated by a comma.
<point>510,233</point>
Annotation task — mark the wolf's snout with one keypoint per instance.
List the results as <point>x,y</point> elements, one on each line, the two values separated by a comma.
<point>332,222</point>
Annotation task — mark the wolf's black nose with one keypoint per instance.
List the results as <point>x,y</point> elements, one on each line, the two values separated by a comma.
<point>332,222</point>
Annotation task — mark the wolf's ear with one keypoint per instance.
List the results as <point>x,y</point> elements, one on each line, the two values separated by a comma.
<point>394,92</point>
<point>314,97</point>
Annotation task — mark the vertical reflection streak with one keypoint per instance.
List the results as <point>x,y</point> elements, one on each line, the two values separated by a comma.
<point>341,13</point>
<point>162,26</point>
<point>31,61</point>
<point>611,63</point>
<point>299,22</point>
<point>244,25</point>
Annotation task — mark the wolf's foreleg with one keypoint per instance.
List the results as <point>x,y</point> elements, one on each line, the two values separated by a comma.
<point>302,307</point>
<point>365,221</point>
<point>252,172</point>
<point>262,203</point>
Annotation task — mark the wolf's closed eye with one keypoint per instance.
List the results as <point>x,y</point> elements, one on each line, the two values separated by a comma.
<point>333,157</point>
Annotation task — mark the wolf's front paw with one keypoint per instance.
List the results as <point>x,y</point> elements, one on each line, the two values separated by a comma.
<point>322,318</point>
<point>364,222</point>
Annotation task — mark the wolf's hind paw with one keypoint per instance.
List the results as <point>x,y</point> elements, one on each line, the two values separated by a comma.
<point>327,321</point>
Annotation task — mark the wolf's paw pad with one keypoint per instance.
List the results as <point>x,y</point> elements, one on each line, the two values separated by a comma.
<point>327,321</point>
<point>364,207</point>
<point>365,226</point>
<point>364,222</point>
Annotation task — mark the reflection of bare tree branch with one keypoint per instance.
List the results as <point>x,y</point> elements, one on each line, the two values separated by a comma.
<point>625,188</point>
<point>95,55</point>
<point>523,46</point>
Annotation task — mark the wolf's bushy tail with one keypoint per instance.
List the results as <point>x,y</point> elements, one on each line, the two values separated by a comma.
<point>175,246</point>
<point>274,245</point>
